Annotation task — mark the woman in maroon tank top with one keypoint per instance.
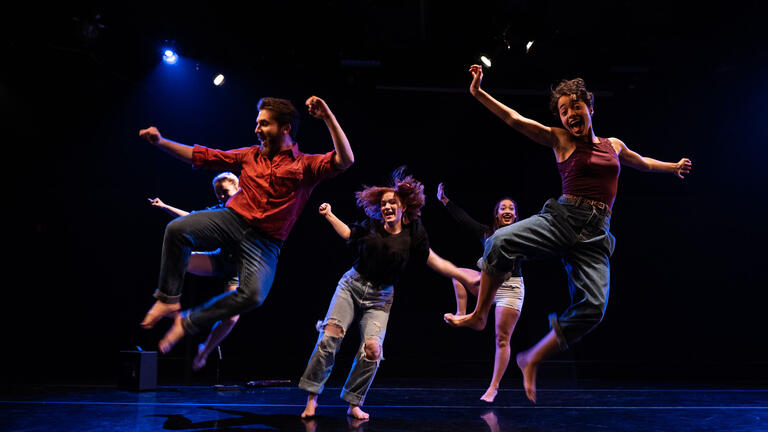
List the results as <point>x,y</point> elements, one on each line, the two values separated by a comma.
<point>575,227</point>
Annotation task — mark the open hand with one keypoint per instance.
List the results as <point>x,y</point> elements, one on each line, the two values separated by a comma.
<point>441,193</point>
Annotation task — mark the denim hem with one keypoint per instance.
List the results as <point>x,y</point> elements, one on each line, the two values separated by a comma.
<point>555,324</point>
<point>165,298</point>
<point>352,397</point>
<point>310,386</point>
<point>492,271</point>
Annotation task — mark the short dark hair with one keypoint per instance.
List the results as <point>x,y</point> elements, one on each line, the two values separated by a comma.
<point>284,111</point>
<point>573,88</point>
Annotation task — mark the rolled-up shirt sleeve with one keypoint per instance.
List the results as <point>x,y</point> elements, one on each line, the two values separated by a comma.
<point>320,166</point>
<point>208,158</point>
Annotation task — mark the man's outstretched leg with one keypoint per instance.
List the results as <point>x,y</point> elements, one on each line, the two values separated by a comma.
<point>489,284</point>
<point>528,361</point>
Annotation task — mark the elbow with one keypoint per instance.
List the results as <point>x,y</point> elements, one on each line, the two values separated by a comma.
<point>349,161</point>
<point>343,163</point>
<point>511,119</point>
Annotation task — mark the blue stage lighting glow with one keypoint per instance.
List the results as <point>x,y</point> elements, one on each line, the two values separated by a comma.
<point>170,57</point>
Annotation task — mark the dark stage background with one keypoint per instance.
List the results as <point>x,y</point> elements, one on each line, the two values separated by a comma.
<point>688,282</point>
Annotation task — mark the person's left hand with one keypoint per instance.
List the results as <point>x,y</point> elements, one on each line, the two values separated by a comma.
<point>317,108</point>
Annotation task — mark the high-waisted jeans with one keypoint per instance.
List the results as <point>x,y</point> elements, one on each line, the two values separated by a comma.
<point>355,298</point>
<point>579,234</point>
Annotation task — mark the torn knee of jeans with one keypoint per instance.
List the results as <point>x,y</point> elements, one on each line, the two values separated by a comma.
<point>372,349</point>
<point>329,344</point>
<point>331,327</point>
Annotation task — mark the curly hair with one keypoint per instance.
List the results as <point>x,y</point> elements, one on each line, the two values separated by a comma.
<point>409,190</point>
<point>575,88</point>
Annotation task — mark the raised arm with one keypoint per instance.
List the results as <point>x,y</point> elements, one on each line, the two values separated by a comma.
<point>642,163</point>
<point>343,158</point>
<point>534,130</point>
<point>461,217</point>
<point>179,151</point>
<point>173,211</point>
<point>447,269</point>
<point>341,228</point>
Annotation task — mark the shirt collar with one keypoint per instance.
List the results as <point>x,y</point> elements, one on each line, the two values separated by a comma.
<point>293,151</point>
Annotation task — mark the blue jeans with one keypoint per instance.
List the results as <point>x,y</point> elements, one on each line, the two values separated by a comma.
<point>354,298</point>
<point>579,234</point>
<point>255,258</point>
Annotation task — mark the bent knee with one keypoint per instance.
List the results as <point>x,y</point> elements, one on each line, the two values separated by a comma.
<point>372,349</point>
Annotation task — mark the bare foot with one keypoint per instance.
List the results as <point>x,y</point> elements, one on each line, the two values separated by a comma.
<point>309,410</point>
<point>529,375</point>
<point>174,335</point>
<point>158,311</point>
<point>202,356</point>
<point>490,394</point>
<point>472,321</point>
<point>354,411</point>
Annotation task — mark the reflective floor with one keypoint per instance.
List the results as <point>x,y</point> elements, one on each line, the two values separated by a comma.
<point>395,408</point>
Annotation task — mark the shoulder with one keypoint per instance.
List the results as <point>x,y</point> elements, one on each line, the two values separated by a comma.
<point>617,144</point>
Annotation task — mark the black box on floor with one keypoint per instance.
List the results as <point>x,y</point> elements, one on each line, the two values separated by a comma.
<point>138,370</point>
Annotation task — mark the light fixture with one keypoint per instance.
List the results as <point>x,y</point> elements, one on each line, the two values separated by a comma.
<point>170,57</point>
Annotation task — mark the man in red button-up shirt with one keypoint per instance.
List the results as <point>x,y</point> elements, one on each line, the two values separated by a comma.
<point>276,180</point>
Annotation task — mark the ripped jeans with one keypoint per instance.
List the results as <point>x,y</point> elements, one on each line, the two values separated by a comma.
<point>355,298</point>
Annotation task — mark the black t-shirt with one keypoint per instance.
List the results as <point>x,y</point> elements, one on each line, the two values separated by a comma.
<point>381,257</point>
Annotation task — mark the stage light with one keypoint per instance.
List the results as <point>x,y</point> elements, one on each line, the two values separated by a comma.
<point>170,57</point>
<point>219,80</point>
<point>528,46</point>
<point>485,60</point>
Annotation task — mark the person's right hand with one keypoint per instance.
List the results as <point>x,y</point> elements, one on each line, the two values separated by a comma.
<point>325,209</point>
<point>151,134</point>
<point>477,78</point>
<point>156,202</point>
<point>441,194</point>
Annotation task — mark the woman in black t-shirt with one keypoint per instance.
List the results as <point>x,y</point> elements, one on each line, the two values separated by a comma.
<point>390,238</point>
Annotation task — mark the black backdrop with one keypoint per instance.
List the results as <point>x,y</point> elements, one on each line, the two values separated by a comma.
<point>688,286</point>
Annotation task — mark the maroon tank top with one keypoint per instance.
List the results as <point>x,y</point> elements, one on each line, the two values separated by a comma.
<point>591,171</point>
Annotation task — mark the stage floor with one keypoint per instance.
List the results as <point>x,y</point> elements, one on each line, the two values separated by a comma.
<point>392,408</point>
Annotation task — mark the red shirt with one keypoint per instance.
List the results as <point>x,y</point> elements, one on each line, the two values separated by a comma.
<point>272,192</point>
<point>592,171</point>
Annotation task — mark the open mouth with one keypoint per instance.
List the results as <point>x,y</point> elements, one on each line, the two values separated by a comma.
<point>507,218</point>
<point>576,124</point>
<point>387,213</point>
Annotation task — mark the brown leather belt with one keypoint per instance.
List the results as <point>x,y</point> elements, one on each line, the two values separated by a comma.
<point>599,204</point>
